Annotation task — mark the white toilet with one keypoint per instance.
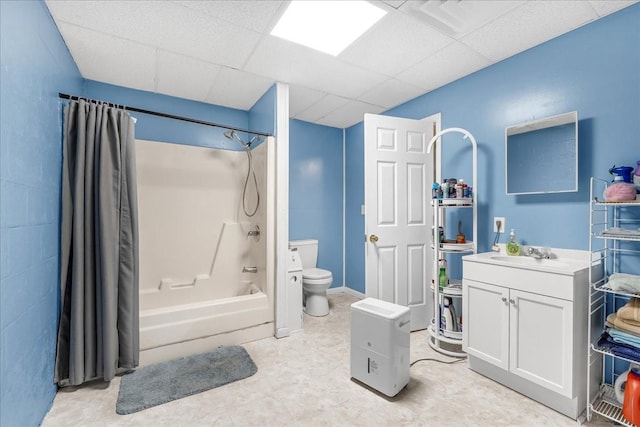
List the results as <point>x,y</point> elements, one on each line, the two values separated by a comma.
<point>315,281</point>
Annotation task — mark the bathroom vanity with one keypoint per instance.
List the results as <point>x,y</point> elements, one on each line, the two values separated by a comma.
<point>525,324</point>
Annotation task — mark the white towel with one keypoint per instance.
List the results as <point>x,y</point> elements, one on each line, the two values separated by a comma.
<point>621,232</point>
<point>622,282</point>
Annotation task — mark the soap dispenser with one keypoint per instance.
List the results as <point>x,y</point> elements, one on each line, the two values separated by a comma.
<point>513,247</point>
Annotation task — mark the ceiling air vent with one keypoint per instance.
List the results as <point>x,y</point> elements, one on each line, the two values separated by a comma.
<point>458,17</point>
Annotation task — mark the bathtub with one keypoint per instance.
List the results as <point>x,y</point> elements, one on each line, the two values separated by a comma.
<point>177,331</point>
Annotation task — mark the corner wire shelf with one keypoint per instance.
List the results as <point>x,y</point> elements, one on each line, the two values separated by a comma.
<point>453,289</point>
<point>444,341</point>
<point>606,405</point>
<point>605,251</point>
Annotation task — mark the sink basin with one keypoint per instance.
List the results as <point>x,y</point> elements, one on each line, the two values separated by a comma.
<point>563,261</point>
<point>529,261</point>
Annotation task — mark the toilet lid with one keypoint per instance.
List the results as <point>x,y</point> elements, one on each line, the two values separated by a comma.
<point>315,273</point>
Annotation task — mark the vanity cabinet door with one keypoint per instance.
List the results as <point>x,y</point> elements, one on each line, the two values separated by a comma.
<point>485,332</point>
<point>541,340</point>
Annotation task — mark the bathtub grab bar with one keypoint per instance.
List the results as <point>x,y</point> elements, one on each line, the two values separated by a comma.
<point>249,269</point>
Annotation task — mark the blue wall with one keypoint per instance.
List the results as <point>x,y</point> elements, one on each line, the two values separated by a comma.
<point>316,191</point>
<point>155,128</point>
<point>594,70</point>
<point>262,116</point>
<point>36,65</point>
<point>354,257</point>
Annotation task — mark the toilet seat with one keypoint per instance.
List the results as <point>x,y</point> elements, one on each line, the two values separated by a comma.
<point>316,276</point>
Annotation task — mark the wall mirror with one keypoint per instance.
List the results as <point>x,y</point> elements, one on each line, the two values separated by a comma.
<point>541,156</point>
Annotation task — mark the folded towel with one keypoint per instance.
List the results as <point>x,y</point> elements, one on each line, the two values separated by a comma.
<point>621,232</point>
<point>622,337</point>
<point>622,282</point>
<point>614,322</point>
<point>605,342</point>
<point>630,312</point>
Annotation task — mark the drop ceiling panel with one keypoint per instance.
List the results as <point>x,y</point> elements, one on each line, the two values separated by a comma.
<point>238,89</point>
<point>457,18</point>
<point>349,113</point>
<point>390,93</point>
<point>445,66</point>
<point>528,26</point>
<point>605,7</point>
<point>257,16</point>
<point>291,63</point>
<point>321,108</point>
<point>164,25</point>
<point>110,59</point>
<point>301,98</point>
<point>181,76</point>
<point>398,41</point>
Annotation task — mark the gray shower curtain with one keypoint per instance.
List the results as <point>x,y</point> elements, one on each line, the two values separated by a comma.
<point>98,331</point>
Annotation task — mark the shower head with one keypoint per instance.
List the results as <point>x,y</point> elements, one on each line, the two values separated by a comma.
<point>231,134</point>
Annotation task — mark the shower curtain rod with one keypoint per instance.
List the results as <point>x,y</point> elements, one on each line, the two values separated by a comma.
<point>165,115</point>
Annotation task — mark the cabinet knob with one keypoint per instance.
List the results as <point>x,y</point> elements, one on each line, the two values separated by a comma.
<point>512,301</point>
<point>504,300</point>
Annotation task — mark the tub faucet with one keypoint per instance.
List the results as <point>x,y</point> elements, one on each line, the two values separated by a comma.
<point>543,253</point>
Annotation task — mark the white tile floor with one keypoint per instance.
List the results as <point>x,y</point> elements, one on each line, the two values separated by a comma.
<point>303,380</point>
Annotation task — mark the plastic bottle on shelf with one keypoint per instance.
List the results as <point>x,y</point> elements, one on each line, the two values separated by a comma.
<point>443,281</point>
<point>454,318</point>
<point>513,247</point>
<point>460,189</point>
<point>435,189</point>
<point>631,403</point>
<point>452,187</point>
<point>445,189</point>
<point>636,176</point>
<point>447,318</point>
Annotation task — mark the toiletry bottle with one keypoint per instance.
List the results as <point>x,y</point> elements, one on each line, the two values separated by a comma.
<point>447,319</point>
<point>445,189</point>
<point>460,189</point>
<point>513,248</point>
<point>454,317</point>
<point>452,187</point>
<point>636,176</point>
<point>442,276</point>
<point>434,190</point>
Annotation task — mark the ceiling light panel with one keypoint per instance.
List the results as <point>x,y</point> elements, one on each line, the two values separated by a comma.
<point>327,26</point>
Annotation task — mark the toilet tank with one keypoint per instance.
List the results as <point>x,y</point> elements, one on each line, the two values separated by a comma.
<point>308,251</point>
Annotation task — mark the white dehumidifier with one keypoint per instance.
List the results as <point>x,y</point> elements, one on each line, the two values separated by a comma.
<point>380,345</point>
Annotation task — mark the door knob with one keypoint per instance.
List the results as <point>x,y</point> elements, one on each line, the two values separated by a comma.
<point>373,238</point>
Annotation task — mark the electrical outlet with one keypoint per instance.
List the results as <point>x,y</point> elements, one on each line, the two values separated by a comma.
<point>503,224</point>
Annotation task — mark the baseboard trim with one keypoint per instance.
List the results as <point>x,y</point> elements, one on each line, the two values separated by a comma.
<point>345,290</point>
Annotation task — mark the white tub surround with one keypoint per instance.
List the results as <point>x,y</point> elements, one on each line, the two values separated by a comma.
<point>204,278</point>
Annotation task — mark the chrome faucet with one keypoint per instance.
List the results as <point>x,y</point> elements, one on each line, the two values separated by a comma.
<point>545,253</point>
<point>255,233</point>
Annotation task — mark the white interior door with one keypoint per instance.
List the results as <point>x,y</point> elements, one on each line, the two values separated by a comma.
<point>398,178</point>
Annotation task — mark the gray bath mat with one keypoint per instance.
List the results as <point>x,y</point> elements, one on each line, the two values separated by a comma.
<point>157,384</point>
